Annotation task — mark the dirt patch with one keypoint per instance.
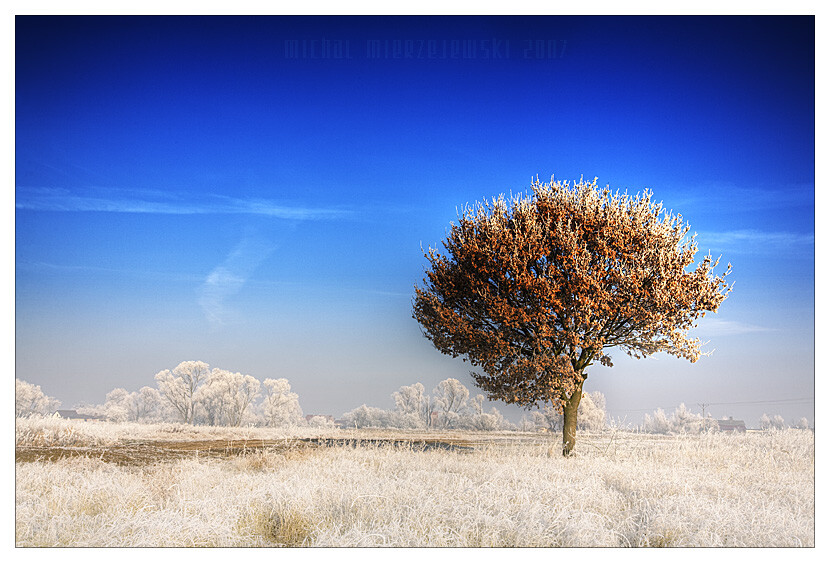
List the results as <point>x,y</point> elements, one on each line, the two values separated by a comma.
<point>145,453</point>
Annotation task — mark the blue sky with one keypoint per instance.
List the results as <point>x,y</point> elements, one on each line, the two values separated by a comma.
<point>234,190</point>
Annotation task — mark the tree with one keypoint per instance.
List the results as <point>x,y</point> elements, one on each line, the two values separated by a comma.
<point>367,417</point>
<point>413,406</point>
<point>778,422</point>
<point>119,406</point>
<point>148,405</point>
<point>451,401</point>
<point>548,418</point>
<point>534,290</point>
<point>30,399</point>
<point>226,396</point>
<point>659,424</point>
<point>179,387</point>
<point>281,407</point>
<point>684,421</point>
<point>590,414</point>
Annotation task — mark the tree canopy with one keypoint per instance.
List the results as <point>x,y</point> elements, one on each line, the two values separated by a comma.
<point>534,289</point>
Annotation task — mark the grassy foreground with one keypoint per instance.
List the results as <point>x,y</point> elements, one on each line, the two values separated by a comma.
<point>289,488</point>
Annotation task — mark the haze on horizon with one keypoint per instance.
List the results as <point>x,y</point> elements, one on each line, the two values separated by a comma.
<point>200,189</point>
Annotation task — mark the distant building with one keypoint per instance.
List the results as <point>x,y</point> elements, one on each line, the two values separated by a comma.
<point>731,425</point>
<point>73,415</point>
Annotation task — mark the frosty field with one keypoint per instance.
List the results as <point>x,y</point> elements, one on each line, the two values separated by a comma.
<point>100,484</point>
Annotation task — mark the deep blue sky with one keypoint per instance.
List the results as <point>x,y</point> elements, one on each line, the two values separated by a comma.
<point>186,188</point>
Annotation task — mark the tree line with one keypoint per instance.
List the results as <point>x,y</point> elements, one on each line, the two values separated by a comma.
<point>192,393</point>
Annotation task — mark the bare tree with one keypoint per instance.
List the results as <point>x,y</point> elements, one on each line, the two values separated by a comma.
<point>451,400</point>
<point>226,397</point>
<point>119,406</point>
<point>535,290</point>
<point>413,406</point>
<point>281,407</point>
<point>179,387</point>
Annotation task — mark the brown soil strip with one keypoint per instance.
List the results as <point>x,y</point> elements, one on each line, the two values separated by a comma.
<point>145,453</point>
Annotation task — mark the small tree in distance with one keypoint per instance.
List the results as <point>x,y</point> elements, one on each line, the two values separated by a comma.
<point>535,290</point>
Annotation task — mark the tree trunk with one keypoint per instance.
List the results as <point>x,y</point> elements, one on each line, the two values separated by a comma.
<point>570,409</point>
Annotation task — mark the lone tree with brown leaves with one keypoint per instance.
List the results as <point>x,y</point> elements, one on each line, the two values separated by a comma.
<point>535,289</point>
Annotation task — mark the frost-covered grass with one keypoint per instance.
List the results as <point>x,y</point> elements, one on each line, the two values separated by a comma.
<point>60,432</point>
<point>755,489</point>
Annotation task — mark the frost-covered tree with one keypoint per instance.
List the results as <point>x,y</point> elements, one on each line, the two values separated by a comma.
<point>778,422</point>
<point>281,406</point>
<point>120,406</point>
<point>774,423</point>
<point>474,417</point>
<point>30,399</point>
<point>149,406</point>
<point>534,290</point>
<point>657,423</point>
<point>367,417</point>
<point>477,404</point>
<point>486,421</point>
<point>412,406</point>
<point>804,424</point>
<point>145,405</point>
<point>179,386</point>
<point>526,424</point>
<point>320,422</point>
<point>591,414</point>
<point>548,419</point>
<point>684,421</point>
<point>226,397</point>
<point>451,402</point>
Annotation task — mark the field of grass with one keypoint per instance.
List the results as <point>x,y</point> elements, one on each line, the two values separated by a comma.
<point>96,484</point>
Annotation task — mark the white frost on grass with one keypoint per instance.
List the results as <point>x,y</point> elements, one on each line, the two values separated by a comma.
<point>754,489</point>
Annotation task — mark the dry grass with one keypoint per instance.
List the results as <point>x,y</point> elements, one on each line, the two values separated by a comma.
<point>755,489</point>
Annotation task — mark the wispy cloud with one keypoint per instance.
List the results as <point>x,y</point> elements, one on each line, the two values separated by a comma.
<point>721,327</point>
<point>720,195</point>
<point>85,269</point>
<point>755,241</point>
<point>158,202</point>
<point>227,279</point>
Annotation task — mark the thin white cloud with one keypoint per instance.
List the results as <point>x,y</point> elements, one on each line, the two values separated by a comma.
<point>723,195</point>
<point>228,278</point>
<point>755,241</point>
<point>157,202</point>
<point>721,327</point>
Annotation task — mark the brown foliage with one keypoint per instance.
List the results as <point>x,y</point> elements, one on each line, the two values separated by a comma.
<point>535,289</point>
